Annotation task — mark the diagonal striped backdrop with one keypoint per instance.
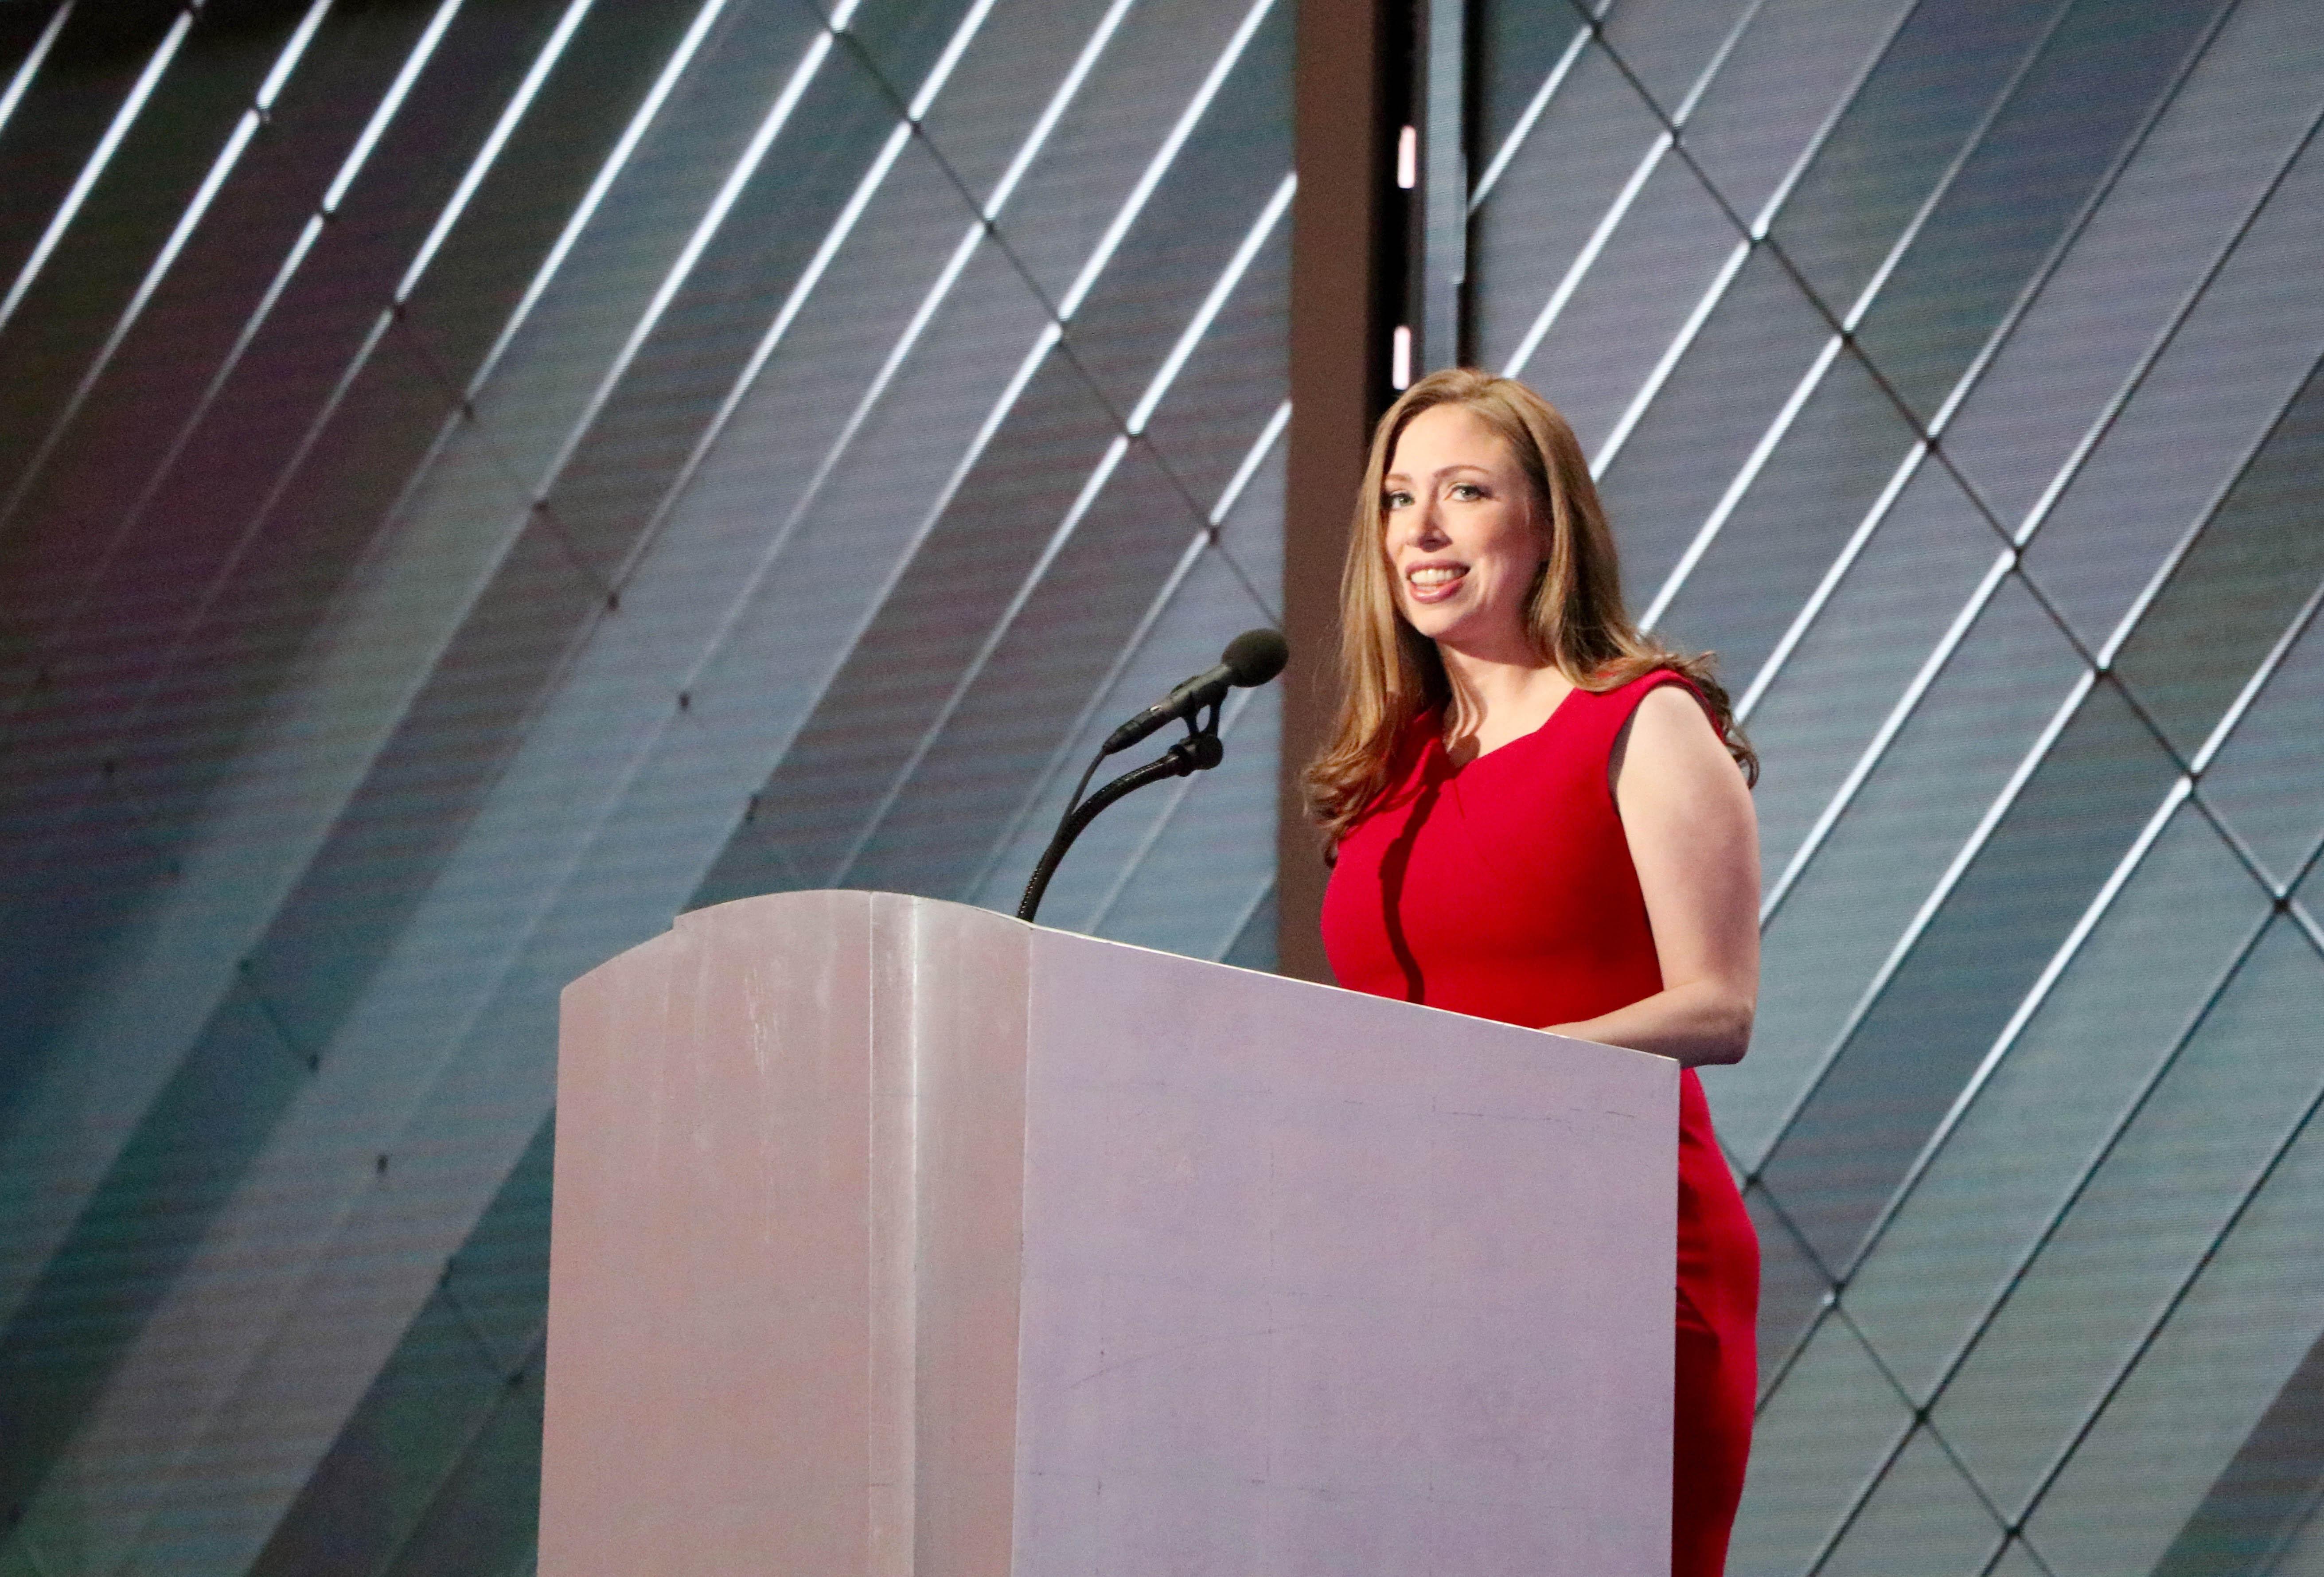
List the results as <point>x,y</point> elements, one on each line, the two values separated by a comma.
<point>1953,368</point>
<point>477,478</point>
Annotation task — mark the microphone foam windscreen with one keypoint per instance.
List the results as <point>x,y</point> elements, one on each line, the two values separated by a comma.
<point>1256,656</point>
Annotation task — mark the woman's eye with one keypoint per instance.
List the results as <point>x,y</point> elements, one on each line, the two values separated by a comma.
<point>1399,500</point>
<point>1467,490</point>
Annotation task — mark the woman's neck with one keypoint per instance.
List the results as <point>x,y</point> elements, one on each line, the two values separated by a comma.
<point>1496,699</point>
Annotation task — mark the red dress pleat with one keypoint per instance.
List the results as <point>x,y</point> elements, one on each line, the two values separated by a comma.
<point>1504,888</point>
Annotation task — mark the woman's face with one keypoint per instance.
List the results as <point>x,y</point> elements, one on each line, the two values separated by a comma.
<point>1459,530</point>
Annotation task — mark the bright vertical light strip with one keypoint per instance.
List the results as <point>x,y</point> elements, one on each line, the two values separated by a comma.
<point>30,66</point>
<point>705,230</point>
<point>101,156</point>
<point>236,143</point>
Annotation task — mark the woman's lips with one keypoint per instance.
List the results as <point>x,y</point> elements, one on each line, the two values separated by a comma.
<point>1440,582</point>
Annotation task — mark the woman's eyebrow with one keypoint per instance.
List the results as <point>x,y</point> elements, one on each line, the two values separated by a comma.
<point>1440,471</point>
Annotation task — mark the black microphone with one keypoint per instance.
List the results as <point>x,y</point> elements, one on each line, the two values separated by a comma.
<point>1252,658</point>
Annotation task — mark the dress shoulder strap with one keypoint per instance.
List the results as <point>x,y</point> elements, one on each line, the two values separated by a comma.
<point>1604,712</point>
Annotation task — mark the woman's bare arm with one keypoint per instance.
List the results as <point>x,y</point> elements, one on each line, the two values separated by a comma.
<point>1695,842</point>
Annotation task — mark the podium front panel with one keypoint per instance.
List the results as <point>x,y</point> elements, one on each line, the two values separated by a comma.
<point>893,1237</point>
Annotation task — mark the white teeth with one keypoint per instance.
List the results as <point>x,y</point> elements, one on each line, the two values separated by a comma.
<point>1437,575</point>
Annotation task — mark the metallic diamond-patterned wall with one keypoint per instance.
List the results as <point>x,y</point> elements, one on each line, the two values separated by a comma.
<point>1953,368</point>
<point>478,477</point>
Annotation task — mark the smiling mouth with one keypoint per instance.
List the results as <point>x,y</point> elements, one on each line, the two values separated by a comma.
<point>1433,583</point>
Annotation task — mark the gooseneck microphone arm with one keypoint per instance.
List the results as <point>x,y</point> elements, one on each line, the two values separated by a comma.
<point>1252,658</point>
<point>1199,752</point>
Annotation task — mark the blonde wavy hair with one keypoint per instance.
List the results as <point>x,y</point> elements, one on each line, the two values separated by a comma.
<point>1390,673</point>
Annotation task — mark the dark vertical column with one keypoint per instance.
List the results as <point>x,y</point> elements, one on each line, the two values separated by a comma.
<point>1439,222</point>
<point>1344,299</point>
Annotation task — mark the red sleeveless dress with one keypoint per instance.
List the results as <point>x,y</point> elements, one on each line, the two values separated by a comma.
<point>1504,888</point>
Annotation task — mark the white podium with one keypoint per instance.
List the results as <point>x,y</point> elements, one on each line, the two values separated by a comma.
<point>893,1236</point>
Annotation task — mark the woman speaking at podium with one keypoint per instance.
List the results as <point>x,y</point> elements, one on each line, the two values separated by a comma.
<point>1540,816</point>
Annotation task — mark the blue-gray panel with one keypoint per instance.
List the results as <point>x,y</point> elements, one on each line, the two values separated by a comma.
<point>2212,398</point>
<point>446,1444</point>
<point>1826,943</point>
<point>1817,485</point>
<point>2303,1553</point>
<point>2150,1213</point>
<point>2268,782</point>
<point>1155,64</point>
<point>1610,332</point>
<point>1783,86</point>
<point>1935,1019</point>
<point>2043,158</point>
<point>1516,51</point>
<point>1708,418</point>
<point>1793,1287</point>
<point>1005,79</point>
<point>1944,72</point>
<point>2260,1498</point>
<point>2171,219</point>
<point>1666,46</point>
<point>1551,193</point>
<point>135,1235</point>
<point>1924,1519</point>
<point>2044,1114</point>
<point>2227,601</point>
<point>2238,1334</point>
<point>1819,1439</point>
<point>1917,574</point>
